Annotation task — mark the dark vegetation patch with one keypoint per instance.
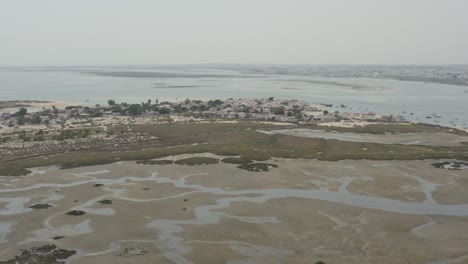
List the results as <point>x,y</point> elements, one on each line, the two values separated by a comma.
<point>451,165</point>
<point>235,160</point>
<point>47,254</point>
<point>241,139</point>
<point>3,139</point>
<point>154,162</point>
<point>105,202</point>
<point>76,213</point>
<point>197,161</point>
<point>40,206</point>
<point>257,167</point>
<point>72,134</point>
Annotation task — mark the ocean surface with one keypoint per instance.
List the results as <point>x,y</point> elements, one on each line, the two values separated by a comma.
<point>445,104</point>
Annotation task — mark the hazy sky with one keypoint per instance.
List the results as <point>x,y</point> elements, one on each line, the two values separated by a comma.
<point>234,31</point>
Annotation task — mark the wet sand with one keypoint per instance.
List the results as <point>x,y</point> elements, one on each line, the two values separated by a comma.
<point>304,211</point>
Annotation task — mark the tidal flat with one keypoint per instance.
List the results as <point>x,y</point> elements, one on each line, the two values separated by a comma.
<point>302,211</point>
<point>227,193</point>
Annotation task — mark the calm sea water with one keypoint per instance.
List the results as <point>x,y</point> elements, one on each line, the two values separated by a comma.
<point>131,84</point>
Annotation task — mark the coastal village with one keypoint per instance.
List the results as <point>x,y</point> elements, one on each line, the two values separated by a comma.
<point>268,109</point>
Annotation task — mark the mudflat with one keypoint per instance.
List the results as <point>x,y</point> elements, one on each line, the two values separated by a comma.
<point>302,211</point>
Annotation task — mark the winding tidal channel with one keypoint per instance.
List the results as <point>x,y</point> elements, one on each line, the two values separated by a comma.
<point>135,190</point>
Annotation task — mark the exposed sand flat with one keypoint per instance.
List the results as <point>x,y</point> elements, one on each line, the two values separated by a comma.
<point>344,123</point>
<point>454,193</point>
<point>304,211</point>
<point>419,138</point>
<point>58,104</point>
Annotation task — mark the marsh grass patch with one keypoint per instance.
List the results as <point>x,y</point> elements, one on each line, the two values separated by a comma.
<point>241,139</point>
<point>76,213</point>
<point>105,202</point>
<point>197,161</point>
<point>155,162</point>
<point>257,167</point>
<point>40,206</point>
<point>237,160</point>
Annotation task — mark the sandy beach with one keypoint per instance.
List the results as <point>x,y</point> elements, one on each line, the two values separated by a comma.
<point>58,104</point>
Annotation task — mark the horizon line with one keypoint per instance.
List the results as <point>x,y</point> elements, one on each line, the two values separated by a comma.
<point>234,64</point>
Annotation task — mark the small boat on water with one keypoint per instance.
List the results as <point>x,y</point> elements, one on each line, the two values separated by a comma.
<point>428,117</point>
<point>436,116</point>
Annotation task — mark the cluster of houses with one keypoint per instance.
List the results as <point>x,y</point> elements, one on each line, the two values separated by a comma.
<point>267,109</point>
<point>40,117</point>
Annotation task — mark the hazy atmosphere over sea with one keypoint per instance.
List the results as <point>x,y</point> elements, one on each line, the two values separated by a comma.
<point>241,31</point>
